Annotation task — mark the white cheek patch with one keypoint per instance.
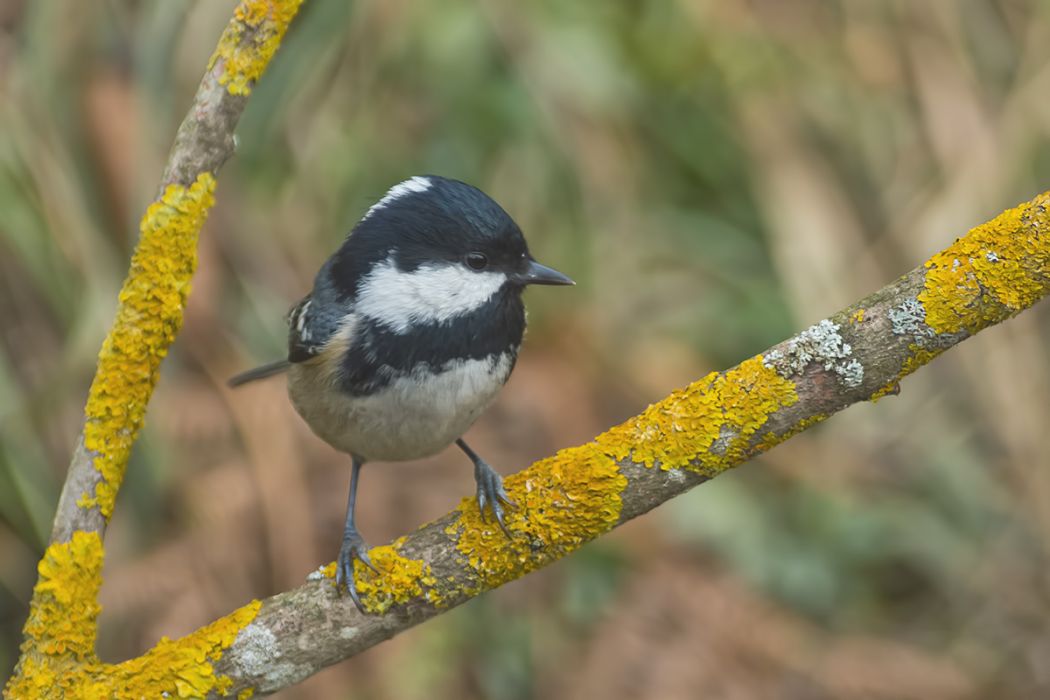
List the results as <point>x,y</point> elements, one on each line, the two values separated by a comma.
<point>414,184</point>
<point>430,294</point>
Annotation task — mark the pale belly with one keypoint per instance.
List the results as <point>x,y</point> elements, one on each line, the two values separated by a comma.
<point>410,418</point>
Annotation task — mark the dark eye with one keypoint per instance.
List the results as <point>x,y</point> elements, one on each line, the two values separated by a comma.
<point>476,261</point>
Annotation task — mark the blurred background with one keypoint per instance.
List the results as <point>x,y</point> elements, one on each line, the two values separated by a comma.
<point>716,175</point>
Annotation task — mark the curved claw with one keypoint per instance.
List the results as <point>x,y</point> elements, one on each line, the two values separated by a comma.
<point>353,547</point>
<point>492,494</point>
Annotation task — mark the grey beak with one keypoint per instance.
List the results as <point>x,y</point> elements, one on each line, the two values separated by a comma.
<point>541,274</point>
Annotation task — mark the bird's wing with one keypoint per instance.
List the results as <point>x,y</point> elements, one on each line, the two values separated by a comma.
<point>308,331</point>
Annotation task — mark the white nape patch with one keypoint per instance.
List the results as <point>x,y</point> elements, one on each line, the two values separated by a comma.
<point>412,184</point>
<point>431,293</point>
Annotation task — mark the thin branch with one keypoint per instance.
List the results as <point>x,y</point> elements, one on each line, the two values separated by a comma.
<point>58,654</point>
<point>718,422</point>
<point>154,293</point>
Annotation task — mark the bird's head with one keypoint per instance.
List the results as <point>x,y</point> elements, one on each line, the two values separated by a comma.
<point>433,248</point>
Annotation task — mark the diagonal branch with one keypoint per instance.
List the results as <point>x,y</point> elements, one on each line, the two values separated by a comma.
<point>718,422</point>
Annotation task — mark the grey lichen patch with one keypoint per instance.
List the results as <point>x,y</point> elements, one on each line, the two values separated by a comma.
<point>726,435</point>
<point>851,373</point>
<point>909,318</point>
<point>257,656</point>
<point>676,475</point>
<point>254,650</point>
<point>821,344</point>
<point>285,674</point>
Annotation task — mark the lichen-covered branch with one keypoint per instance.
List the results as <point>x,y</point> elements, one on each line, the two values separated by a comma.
<point>58,653</point>
<point>696,433</point>
<point>149,313</point>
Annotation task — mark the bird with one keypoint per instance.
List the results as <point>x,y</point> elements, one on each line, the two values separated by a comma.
<point>412,327</point>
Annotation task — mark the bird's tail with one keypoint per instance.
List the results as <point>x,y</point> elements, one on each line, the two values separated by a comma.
<point>267,370</point>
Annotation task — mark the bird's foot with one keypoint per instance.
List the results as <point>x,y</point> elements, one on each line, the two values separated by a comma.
<point>492,494</point>
<point>353,547</point>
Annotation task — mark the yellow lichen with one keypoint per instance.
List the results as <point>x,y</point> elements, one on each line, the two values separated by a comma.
<point>996,270</point>
<point>919,356</point>
<point>245,694</point>
<point>561,503</point>
<point>892,387</point>
<point>64,609</point>
<point>250,40</point>
<point>708,426</point>
<point>58,654</point>
<point>772,439</point>
<point>59,659</point>
<point>576,495</point>
<point>149,316</point>
<point>182,667</point>
<point>857,316</point>
<point>399,580</point>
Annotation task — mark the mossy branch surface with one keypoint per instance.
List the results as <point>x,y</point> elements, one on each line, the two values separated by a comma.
<point>859,354</point>
<point>58,652</point>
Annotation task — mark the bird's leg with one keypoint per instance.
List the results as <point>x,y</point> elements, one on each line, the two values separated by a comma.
<point>353,546</point>
<point>490,487</point>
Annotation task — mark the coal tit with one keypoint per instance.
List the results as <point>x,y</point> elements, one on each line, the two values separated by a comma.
<point>412,327</point>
